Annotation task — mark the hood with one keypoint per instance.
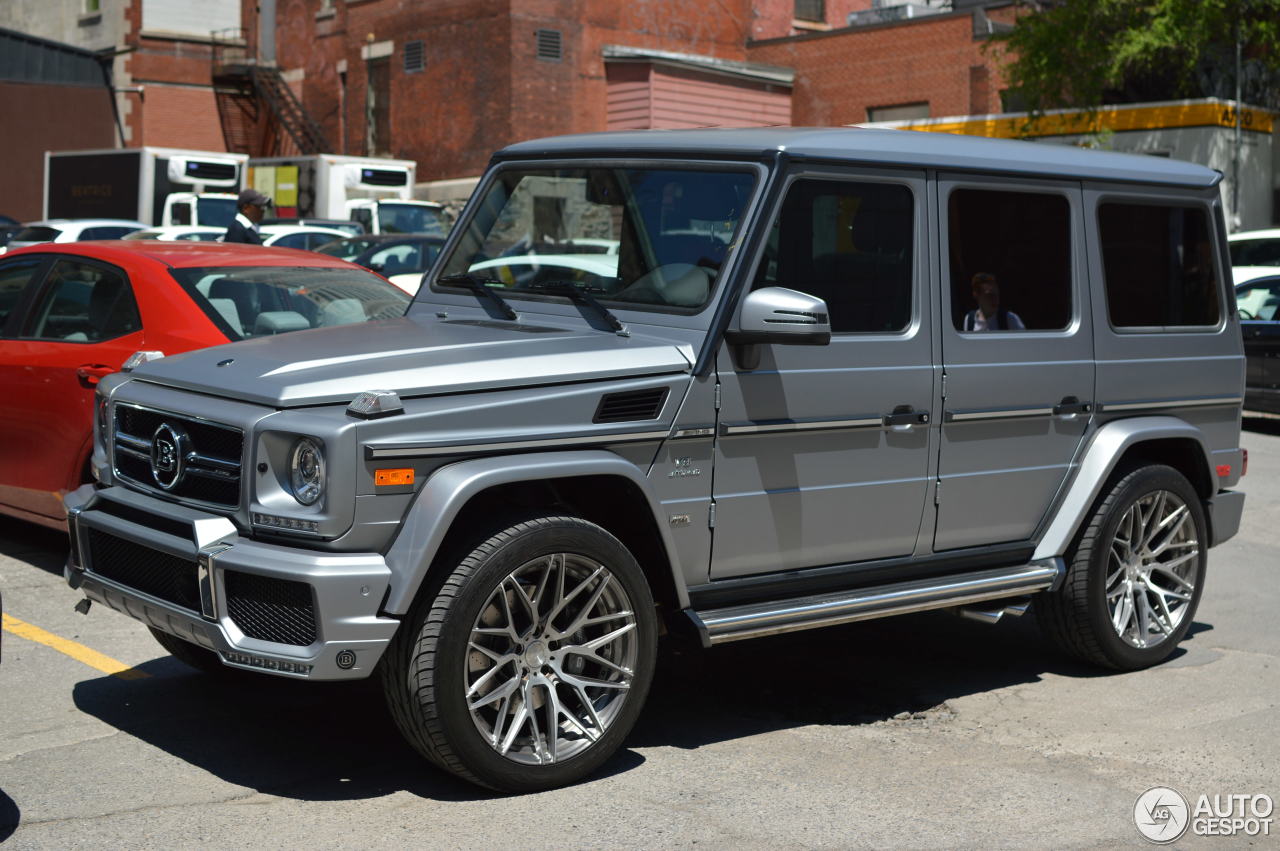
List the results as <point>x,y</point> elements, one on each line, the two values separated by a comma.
<point>414,356</point>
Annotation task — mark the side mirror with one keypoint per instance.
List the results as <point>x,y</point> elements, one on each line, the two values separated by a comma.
<point>380,268</point>
<point>781,316</point>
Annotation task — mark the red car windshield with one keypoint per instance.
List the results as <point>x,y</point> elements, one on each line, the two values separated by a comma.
<point>253,301</point>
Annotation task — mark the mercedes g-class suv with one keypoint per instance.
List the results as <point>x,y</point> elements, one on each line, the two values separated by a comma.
<point>739,381</point>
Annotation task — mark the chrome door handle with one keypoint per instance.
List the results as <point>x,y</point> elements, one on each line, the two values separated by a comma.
<point>1070,406</point>
<point>905,415</point>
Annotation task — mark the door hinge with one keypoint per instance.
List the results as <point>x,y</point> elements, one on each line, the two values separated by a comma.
<point>717,395</point>
<point>944,384</point>
<point>937,492</point>
<point>711,516</point>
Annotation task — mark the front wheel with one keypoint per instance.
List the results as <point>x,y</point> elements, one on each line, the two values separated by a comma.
<point>1135,575</point>
<point>530,664</point>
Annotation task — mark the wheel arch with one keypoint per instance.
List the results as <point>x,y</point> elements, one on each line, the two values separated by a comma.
<point>596,485</point>
<point>1126,443</point>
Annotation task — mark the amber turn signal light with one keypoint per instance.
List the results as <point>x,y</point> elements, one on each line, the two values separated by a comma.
<point>403,476</point>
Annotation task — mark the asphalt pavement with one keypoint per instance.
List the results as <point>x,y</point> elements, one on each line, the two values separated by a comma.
<point>925,732</point>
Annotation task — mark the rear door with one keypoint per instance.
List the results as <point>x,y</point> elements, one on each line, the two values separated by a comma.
<point>1017,351</point>
<point>81,325</point>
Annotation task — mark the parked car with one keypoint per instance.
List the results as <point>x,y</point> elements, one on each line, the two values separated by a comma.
<point>400,259</point>
<point>347,226</point>
<point>180,233</point>
<point>304,237</point>
<point>71,314</point>
<point>1258,302</point>
<point>8,227</point>
<point>770,412</point>
<point>72,230</point>
<point>1255,247</point>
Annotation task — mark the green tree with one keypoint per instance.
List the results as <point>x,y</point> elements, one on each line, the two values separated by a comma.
<point>1085,53</point>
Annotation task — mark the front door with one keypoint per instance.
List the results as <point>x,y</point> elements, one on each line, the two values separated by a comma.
<point>1017,350</point>
<point>807,470</point>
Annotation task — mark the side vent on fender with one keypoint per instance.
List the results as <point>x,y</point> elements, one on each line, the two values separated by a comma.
<point>630,406</point>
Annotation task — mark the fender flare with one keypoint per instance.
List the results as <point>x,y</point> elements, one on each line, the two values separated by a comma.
<point>450,488</point>
<point>1109,444</point>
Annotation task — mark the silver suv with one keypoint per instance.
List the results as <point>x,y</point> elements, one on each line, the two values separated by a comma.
<point>732,382</point>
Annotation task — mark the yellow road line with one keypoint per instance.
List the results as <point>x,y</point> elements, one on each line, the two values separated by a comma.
<point>75,650</point>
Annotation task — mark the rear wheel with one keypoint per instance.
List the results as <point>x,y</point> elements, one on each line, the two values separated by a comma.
<point>1135,576</point>
<point>529,666</point>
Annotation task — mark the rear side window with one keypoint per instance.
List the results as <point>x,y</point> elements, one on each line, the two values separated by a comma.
<point>84,304</point>
<point>1011,259</point>
<point>14,278</point>
<point>849,244</point>
<point>1158,266</point>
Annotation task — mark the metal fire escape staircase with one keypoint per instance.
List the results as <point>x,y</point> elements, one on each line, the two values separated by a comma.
<point>259,113</point>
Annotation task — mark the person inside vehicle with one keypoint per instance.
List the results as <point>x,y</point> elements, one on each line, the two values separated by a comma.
<point>251,206</point>
<point>989,315</point>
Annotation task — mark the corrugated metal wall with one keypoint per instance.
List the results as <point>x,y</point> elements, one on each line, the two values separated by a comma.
<point>644,95</point>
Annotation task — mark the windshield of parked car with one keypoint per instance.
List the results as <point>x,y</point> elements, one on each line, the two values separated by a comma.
<point>349,249</point>
<point>1255,252</point>
<point>254,301</point>
<point>645,238</point>
<point>409,218</point>
<point>38,233</point>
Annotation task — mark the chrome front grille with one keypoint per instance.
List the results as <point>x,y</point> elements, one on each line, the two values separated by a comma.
<point>188,458</point>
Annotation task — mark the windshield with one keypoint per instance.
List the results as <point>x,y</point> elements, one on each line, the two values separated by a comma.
<point>215,212</point>
<point>37,233</point>
<point>254,301</point>
<point>640,237</point>
<point>409,218</point>
<point>349,248</point>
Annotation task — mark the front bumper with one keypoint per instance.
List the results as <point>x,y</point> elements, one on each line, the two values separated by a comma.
<point>287,611</point>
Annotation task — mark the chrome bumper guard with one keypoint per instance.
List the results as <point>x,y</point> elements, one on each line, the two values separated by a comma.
<point>347,588</point>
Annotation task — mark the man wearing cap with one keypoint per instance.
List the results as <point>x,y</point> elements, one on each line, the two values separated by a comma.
<point>251,206</point>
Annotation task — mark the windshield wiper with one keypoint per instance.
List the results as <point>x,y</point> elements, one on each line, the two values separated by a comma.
<point>582,295</point>
<point>480,286</point>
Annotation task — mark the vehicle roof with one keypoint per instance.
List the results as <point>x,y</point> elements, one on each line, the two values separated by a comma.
<point>1267,233</point>
<point>186,254</point>
<point>876,147</point>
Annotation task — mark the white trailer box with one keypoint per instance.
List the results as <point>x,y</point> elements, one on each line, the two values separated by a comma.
<point>159,186</point>
<point>376,192</point>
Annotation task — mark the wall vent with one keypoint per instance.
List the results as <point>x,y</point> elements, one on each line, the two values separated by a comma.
<point>550,45</point>
<point>415,56</point>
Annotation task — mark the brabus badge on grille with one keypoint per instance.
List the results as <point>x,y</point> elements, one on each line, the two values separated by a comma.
<point>169,448</point>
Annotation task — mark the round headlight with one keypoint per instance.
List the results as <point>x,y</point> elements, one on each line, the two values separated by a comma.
<point>306,471</point>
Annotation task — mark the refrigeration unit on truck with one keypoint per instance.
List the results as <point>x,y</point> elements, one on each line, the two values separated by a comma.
<point>376,192</point>
<point>159,186</point>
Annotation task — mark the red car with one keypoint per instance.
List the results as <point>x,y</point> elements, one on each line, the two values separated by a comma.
<point>72,313</point>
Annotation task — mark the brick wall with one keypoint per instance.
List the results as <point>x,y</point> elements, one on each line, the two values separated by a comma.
<point>842,74</point>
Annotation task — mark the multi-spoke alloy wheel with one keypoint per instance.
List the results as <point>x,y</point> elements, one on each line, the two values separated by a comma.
<point>1135,575</point>
<point>551,659</point>
<point>1154,567</point>
<point>526,665</point>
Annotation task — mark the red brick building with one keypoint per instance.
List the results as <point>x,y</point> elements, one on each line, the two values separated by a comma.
<point>446,82</point>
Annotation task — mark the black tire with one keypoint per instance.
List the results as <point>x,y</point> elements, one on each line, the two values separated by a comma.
<point>1078,618</point>
<point>434,667</point>
<point>184,651</point>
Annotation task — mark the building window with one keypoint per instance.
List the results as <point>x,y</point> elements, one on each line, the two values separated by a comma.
<point>378,114</point>
<point>415,56</point>
<point>900,112</point>
<point>550,45</point>
<point>811,10</point>
<point>91,6</point>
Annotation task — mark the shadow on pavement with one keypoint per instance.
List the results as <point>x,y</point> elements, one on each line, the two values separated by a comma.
<point>330,741</point>
<point>9,816</point>
<point>36,545</point>
<point>1261,425</point>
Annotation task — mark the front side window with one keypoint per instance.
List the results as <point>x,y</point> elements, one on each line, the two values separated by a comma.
<point>849,244</point>
<point>254,301</point>
<point>1010,260</point>
<point>409,218</point>
<point>1158,265</point>
<point>1259,300</point>
<point>14,278</point>
<point>646,238</point>
<point>84,303</point>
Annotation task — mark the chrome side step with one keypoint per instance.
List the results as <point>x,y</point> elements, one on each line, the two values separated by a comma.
<point>752,620</point>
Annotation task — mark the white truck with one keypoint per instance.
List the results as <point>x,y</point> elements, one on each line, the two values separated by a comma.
<point>159,186</point>
<point>375,192</point>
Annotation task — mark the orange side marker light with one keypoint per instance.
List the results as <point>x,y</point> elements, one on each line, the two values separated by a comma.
<point>400,476</point>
